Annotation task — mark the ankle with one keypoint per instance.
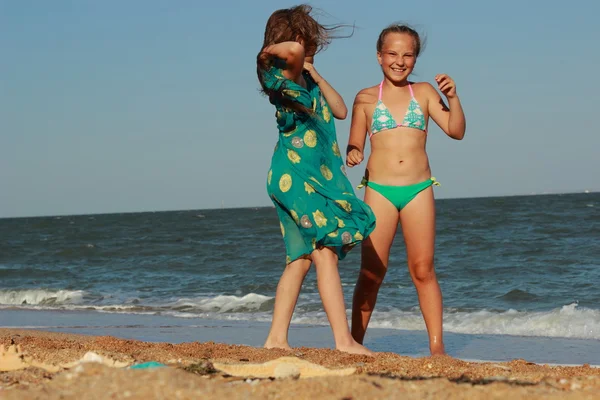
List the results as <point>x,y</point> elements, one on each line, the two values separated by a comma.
<point>437,348</point>
<point>275,340</point>
<point>344,341</point>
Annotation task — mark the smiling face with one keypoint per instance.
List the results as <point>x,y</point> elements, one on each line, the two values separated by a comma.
<point>397,56</point>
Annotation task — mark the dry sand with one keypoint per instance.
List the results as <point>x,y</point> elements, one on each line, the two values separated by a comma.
<point>190,374</point>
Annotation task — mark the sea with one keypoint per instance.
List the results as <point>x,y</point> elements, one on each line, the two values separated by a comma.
<point>520,277</point>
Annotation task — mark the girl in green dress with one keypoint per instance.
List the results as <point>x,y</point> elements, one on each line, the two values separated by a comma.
<point>321,219</point>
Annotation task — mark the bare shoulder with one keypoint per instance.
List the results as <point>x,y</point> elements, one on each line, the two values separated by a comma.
<point>367,96</point>
<point>425,89</point>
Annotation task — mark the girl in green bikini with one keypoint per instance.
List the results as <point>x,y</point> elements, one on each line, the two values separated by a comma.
<point>398,179</point>
<point>321,218</point>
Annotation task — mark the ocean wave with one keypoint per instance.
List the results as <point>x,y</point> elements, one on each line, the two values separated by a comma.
<point>45,297</point>
<point>74,300</point>
<point>569,321</point>
<point>224,304</point>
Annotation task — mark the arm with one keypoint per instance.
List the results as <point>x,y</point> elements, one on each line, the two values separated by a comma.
<point>450,119</point>
<point>358,132</point>
<point>292,53</point>
<point>335,101</point>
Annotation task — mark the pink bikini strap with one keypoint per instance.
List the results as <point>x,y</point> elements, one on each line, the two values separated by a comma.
<point>412,94</point>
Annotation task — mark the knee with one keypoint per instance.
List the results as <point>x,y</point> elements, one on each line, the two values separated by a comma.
<point>371,277</point>
<point>373,267</point>
<point>422,270</point>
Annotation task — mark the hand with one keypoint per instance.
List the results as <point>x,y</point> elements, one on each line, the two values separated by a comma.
<point>354,157</point>
<point>446,85</point>
<point>310,68</point>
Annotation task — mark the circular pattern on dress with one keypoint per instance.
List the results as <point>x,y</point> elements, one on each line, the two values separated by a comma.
<point>345,205</point>
<point>336,149</point>
<point>309,188</point>
<point>305,222</point>
<point>285,182</point>
<point>297,142</point>
<point>346,237</point>
<point>310,138</point>
<point>319,218</point>
<point>293,156</point>
<point>295,216</point>
<point>326,172</point>
<point>326,114</point>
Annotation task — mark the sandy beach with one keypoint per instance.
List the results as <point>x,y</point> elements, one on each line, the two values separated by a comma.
<point>49,366</point>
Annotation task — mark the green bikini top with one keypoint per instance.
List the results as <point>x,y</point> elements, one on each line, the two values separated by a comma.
<point>383,120</point>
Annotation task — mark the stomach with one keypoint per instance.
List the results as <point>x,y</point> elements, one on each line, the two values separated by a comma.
<point>398,157</point>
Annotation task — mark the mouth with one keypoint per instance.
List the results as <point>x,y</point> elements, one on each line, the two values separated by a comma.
<point>398,70</point>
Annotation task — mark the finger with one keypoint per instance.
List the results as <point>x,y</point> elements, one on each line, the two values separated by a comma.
<point>445,87</point>
<point>445,81</point>
<point>355,163</point>
<point>449,82</point>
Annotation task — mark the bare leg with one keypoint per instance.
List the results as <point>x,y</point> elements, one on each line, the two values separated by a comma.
<point>418,227</point>
<point>330,289</point>
<point>375,254</point>
<point>286,297</point>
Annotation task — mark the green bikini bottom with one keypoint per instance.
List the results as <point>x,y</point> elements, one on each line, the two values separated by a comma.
<point>399,196</point>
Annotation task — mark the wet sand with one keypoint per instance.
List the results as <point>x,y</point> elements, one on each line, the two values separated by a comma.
<point>191,373</point>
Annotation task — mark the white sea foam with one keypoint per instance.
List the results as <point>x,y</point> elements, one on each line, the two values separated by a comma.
<point>569,321</point>
<point>40,297</point>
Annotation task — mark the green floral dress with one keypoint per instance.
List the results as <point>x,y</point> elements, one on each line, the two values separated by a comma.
<point>307,181</point>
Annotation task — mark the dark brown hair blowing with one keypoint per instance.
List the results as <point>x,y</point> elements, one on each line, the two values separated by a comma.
<point>291,25</point>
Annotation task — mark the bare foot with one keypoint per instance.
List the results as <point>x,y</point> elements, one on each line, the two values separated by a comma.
<point>355,348</point>
<point>437,349</point>
<point>276,345</point>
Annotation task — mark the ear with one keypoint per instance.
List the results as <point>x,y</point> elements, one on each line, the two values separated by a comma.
<point>379,58</point>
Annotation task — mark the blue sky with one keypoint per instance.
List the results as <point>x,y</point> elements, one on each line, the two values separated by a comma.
<point>119,106</point>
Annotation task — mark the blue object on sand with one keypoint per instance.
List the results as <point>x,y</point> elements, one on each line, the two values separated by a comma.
<point>149,364</point>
